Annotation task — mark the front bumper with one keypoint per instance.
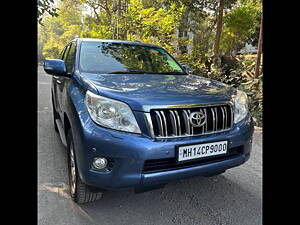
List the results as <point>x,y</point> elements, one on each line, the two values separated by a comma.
<point>130,151</point>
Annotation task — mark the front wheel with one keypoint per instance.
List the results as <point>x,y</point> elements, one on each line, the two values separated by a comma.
<point>79,191</point>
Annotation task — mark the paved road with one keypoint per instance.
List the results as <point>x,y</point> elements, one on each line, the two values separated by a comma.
<point>232,198</point>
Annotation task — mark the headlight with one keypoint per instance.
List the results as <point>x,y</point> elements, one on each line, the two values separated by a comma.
<point>240,106</point>
<point>111,113</point>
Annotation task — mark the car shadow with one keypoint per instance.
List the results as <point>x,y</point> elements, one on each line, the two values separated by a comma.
<point>198,198</point>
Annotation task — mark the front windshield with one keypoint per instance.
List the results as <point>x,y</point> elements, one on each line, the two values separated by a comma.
<point>114,58</point>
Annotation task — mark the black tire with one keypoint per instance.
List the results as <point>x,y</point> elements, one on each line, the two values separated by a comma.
<point>80,192</point>
<point>55,116</point>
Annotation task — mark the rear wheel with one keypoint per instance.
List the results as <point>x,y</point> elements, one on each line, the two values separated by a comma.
<point>80,192</point>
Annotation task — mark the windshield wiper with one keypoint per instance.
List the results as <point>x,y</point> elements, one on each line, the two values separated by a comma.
<point>128,71</point>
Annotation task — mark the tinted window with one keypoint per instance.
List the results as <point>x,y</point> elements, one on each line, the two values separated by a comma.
<point>104,57</point>
<point>62,53</point>
<point>70,58</point>
<point>65,53</point>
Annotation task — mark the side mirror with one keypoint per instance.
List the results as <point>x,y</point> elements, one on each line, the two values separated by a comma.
<point>186,68</point>
<point>55,67</point>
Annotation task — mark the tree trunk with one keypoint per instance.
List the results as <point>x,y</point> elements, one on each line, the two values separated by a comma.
<point>259,51</point>
<point>219,28</point>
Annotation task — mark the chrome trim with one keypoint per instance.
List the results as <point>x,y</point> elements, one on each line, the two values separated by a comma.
<point>192,128</point>
<point>213,114</point>
<point>216,110</point>
<point>226,117</point>
<point>178,119</point>
<point>165,122</point>
<point>223,114</point>
<point>161,129</point>
<point>147,108</point>
<point>149,124</point>
<point>186,121</point>
<point>205,120</point>
<point>174,122</point>
<point>186,113</point>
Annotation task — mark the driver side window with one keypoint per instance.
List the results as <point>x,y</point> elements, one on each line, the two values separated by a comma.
<point>64,56</point>
<point>70,57</point>
<point>62,53</point>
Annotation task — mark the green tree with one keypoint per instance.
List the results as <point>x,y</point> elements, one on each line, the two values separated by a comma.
<point>153,26</point>
<point>132,20</point>
<point>107,19</point>
<point>58,31</point>
<point>240,25</point>
<point>45,6</point>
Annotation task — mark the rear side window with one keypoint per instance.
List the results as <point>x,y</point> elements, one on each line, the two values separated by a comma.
<point>70,58</point>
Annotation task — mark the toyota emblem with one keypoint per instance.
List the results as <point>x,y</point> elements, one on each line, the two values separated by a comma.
<point>197,119</point>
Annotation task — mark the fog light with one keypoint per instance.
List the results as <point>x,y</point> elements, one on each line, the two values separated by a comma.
<point>99,163</point>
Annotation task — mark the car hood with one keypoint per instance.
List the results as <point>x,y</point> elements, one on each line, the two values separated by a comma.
<point>143,90</point>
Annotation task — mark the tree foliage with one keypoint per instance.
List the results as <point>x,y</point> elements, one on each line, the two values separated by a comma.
<point>45,6</point>
<point>152,25</point>
<point>173,24</point>
<point>58,31</point>
<point>186,28</point>
<point>239,26</point>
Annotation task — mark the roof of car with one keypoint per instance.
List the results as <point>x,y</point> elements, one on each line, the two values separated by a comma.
<point>115,41</point>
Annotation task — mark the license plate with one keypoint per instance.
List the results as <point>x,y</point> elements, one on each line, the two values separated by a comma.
<point>190,152</point>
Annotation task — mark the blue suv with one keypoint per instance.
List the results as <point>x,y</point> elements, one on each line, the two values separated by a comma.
<point>132,117</point>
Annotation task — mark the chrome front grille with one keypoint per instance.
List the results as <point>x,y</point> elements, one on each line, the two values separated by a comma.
<point>176,122</point>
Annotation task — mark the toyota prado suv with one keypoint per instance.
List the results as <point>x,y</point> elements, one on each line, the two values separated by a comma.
<point>131,116</point>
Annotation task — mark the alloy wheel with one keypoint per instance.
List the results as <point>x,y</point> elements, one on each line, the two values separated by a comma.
<point>72,170</point>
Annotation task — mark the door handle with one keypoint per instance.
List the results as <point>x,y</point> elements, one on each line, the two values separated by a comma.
<point>58,81</point>
<point>55,77</point>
